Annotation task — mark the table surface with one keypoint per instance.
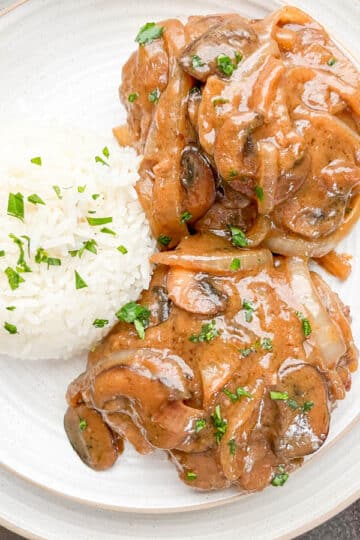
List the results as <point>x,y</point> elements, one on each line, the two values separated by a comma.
<point>344,526</point>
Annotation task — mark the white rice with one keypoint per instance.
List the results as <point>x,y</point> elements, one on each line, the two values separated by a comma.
<point>53,318</point>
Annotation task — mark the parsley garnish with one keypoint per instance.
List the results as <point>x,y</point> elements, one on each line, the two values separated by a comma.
<point>21,264</point>
<point>249,308</point>
<point>235,264</point>
<point>36,161</point>
<point>43,257</point>
<point>81,189</point>
<point>279,396</point>
<point>154,96</point>
<point>306,326</point>
<point>196,61</point>
<point>106,154</point>
<point>136,314</point>
<point>190,475</point>
<point>122,249</point>
<point>225,65</point>
<point>82,424</point>
<point>219,423</point>
<point>238,237</point>
<point>100,323</point>
<point>58,192</point>
<point>89,245</point>
<point>79,282</point>
<point>164,240</point>
<point>267,344</point>
<point>185,216</point>
<point>11,308</point>
<point>307,406</point>
<point>246,352</point>
<point>10,328</point>
<point>95,196</point>
<point>219,101</point>
<point>15,206</point>
<point>233,173</point>
<point>259,192</point>
<point>207,333</point>
<point>94,221</point>
<point>232,447</point>
<point>2,253</point>
<point>148,33</point>
<point>133,97</point>
<point>331,62</point>
<point>35,199</point>
<point>200,425</point>
<point>106,230</point>
<point>240,391</point>
<point>14,278</point>
<point>280,477</point>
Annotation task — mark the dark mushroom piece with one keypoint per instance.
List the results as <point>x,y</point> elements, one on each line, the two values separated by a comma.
<point>197,180</point>
<point>230,37</point>
<point>290,182</point>
<point>199,470</point>
<point>96,445</point>
<point>303,414</point>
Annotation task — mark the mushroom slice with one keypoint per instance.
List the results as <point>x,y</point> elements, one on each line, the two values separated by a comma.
<point>198,182</point>
<point>289,182</point>
<point>230,37</point>
<point>304,417</point>
<point>199,470</point>
<point>91,438</point>
<point>122,424</point>
<point>195,292</point>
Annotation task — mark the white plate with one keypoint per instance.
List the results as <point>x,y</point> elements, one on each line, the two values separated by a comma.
<point>63,59</point>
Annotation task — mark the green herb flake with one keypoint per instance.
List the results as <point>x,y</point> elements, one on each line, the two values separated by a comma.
<point>238,237</point>
<point>238,57</point>
<point>233,173</point>
<point>235,264</point>
<point>53,261</point>
<point>280,477</point>
<point>279,396</point>
<point>200,424</point>
<point>246,352</point>
<point>2,253</point>
<point>306,326</point>
<point>99,159</point>
<point>219,101</point>
<point>21,263</point>
<point>225,65</point>
<point>185,217</point>
<point>122,249</point>
<point>164,240</point>
<point>105,152</point>
<point>10,328</point>
<point>196,61</point>
<point>219,423</point>
<point>267,344</point>
<point>41,255</point>
<point>190,475</point>
<point>95,222</point>
<point>148,33</point>
<point>36,161</point>
<point>35,199</point>
<point>14,278</point>
<point>11,308</point>
<point>58,192</point>
<point>307,406</point>
<point>133,97</point>
<point>154,96</point>
<point>106,230</point>
<point>95,196</point>
<point>133,313</point>
<point>207,333</point>
<point>240,392</point>
<point>293,404</point>
<point>232,447</point>
<point>82,424</point>
<point>81,189</point>
<point>15,206</point>
<point>233,397</point>
<point>259,192</point>
<point>100,323</point>
<point>79,282</point>
<point>89,245</point>
<point>331,62</point>
<point>249,308</point>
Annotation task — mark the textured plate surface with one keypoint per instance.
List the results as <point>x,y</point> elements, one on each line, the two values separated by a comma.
<point>62,59</point>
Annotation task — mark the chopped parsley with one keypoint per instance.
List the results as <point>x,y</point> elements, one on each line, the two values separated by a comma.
<point>280,477</point>
<point>185,216</point>
<point>89,245</point>
<point>307,406</point>
<point>293,404</point>
<point>200,424</point>
<point>331,62</point>
<point>249,308</point>
<point>15,206</point>
<point>106,230</point>
<point>58,192</point>
<point>135,314</point>
<point>100,323</point>
<point>238,237</point>
<point>267,344</point>
<point>82,424</point>
<point>133,97</point>
<point>219,423</point>
<point>79,282</point>
<point>247,351</point>
<point>196,61</point>
<point>35,199</point>
<point>225,65</point>
<point>14,278</point>
<point>238,57</point>
<point>235,264</point>
<point>306,326</point>
<point>81,189</point>
<point>10,328</point>
<point>219,101</point>
<point>122,249</point>
<point>232,447</point>
<point>279,396</point>
<point>11,308</point>
<point>2,253</point>
<point>36,161</point>
<point>95,196</point>
<point>154,96</point>
<point>21,263</point>
<point>259,192</point>
<point>164,240</point>
<point>95,221</point>
<point>106,154</point>
<point>240,392</point>
<point>43,257</point>
<point>233,173</point>
<point>148,33</point>
<point>190,475</point>
<point>207,333</point>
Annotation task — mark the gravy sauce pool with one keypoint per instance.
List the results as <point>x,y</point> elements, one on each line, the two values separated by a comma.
<point>233,359</point>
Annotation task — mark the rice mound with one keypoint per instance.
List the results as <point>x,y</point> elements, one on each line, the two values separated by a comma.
<point>53,318</point>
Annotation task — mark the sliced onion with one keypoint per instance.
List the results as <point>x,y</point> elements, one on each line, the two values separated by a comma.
<point>259,231</point>
<point>325,332</point>
<point>268,176</point>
